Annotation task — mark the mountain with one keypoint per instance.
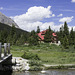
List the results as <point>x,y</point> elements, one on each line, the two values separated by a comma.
<point>6,20</point>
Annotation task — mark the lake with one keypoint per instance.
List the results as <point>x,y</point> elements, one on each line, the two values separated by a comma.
<point>48,72</point>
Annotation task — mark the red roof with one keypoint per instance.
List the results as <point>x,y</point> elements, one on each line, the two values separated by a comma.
<point>54,34</point>
<point>42,34</point>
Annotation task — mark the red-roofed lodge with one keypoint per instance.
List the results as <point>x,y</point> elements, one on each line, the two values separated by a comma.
<point>42,34</point>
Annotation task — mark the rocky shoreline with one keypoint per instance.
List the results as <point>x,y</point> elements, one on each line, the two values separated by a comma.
<point>20,64</point>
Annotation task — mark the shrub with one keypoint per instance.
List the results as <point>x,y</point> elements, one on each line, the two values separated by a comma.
<point>29,55</point>
<point>35,68</point>
<point>35,63</point>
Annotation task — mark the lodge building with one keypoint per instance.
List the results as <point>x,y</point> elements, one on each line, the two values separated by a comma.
<point>42,34</point>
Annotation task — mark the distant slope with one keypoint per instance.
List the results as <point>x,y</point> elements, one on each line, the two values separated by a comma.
<point>6,20</point>
<point>8,28</point>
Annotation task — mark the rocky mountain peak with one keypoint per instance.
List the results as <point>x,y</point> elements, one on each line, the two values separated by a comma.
<point>6,20</point>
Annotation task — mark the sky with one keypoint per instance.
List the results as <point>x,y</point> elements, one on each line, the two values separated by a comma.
<point>28,14</point>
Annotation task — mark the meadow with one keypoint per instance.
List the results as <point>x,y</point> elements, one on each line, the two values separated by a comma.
<point>47,53</point>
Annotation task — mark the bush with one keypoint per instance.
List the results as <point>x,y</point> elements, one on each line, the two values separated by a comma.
<point>35,68</point>
<point>35,63</point>
<point>29,55</point>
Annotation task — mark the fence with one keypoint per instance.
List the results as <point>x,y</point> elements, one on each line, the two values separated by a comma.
<point>6,48</point>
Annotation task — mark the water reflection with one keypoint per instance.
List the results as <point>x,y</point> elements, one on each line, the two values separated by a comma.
<point>48,72</point>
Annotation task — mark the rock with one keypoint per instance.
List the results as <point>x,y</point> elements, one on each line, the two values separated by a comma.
<point>21,64</point>
<point>6,20</point>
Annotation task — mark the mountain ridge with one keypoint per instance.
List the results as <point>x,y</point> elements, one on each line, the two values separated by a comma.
<point>6,20</point>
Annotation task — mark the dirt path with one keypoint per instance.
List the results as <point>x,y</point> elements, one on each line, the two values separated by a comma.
<point>59,65</point>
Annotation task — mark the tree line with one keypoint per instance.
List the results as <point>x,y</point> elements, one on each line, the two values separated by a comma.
<point>18,37</point>
<point>12,35</point>
<point>66,37</point>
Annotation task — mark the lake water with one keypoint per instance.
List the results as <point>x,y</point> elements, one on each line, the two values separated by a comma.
<point>48,72</point>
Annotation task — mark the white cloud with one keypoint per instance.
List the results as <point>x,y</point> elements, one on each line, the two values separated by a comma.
<point>60,15</point>
<point>1,8</point>
<point>67,19</point>
<point>31,19</point>
<point>74,28</point>
<point>53,15</point>
<point>35,14</point>
<point>73,0</point>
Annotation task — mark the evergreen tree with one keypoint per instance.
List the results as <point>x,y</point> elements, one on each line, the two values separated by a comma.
<point>50,29</point>
<point>61,31</point>
<point>61,34</point>
<point>3,35</point>
<point>9,39</point>
<point>64,35</point>
<point>33,39</point>
<point>13,30</point>
<point>21,40</point>
<point>38,29</point>
<point>65,42</point>
<point>66,30</point>
<point>71,39</point>
<point>14,39</point>
<point>48,35</point>
<point>12,36</point>
<point>32,33</point>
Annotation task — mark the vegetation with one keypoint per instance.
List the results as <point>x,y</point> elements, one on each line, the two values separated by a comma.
<point>45,53</point>
<point>19,37</point>
<point>33,39</point>
<point>38,29</point>
<point>29,55</point>
<point>66,37</point>
<point>48,35</point>
<point>48,54</point>
<point>13,35</point>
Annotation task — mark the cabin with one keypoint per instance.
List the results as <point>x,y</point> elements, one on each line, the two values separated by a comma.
<point>42,34</point>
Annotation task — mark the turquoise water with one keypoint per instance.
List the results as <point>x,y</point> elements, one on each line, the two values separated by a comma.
<point>48,72</point>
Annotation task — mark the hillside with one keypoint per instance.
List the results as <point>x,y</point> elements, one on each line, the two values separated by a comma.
<point>16,37</point>
<point>6,20</point>
<point>4,26</point>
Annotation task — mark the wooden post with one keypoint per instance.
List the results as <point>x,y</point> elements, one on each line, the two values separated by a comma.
<point>5,49</point>
<point>0,50</point>
<point>8,48</point>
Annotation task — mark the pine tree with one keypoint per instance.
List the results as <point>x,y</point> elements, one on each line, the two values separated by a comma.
<point>64,35</point>
<point>3,35</point>
<point>61,34</point>
<point>71,37</point>
<point>9,39</point>
<point>66,30</point>
<point>21,40</point>
<point>12,35</point>
<point>38,29</point>
<point>50,29</point>
<point>65,42</point>
<point>13,30</point>
<point>14,39</point>
<point>33,39</point>
<point>48,35</point>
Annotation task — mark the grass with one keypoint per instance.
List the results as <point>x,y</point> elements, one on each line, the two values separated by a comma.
<point>57,58</point>
<point>49,54</point>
